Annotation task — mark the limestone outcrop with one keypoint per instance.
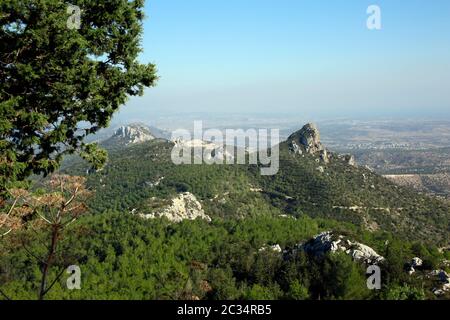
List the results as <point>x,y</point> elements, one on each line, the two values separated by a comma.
<point>183,207</point>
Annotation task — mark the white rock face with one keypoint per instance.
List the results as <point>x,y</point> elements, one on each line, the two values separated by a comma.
<point>275,248</point>
<point>415,263</point>
<point>328,242</point>
<point>133,134</point>
<point>213,151</point>
<point>184,207</point>
<point>350,159</point>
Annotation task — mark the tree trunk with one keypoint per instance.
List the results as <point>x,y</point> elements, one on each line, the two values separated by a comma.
<point>46,266</point>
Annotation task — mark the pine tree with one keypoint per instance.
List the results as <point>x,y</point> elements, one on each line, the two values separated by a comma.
<point>64,71</point>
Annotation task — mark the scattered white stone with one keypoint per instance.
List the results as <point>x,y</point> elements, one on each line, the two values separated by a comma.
<point>444,278</point>
<point>155,183</point>
<point>285,216</point>
<point>295,148</point>
<point>275,248</point>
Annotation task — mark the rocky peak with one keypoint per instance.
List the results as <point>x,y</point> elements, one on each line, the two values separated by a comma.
<point>133,133</point>
<point>307,140</point>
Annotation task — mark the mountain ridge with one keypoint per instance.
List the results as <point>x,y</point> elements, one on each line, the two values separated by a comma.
<point>306,184</point>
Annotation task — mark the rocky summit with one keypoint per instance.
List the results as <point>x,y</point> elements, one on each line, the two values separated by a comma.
<point>307,141</point>
<point>132,134</point>
<point>309,138</point>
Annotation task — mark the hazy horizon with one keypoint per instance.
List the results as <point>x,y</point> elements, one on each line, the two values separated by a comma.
<point>297,58</point>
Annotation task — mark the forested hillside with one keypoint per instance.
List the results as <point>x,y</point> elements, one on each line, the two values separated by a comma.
<point>124,257</point>
<point>246,243</point>
<point>333,190</point>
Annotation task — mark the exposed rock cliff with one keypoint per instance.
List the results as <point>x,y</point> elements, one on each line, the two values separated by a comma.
<point>131,134</point>
<point>183,207</point>
<point>307,141</point>
<point>210,151</point>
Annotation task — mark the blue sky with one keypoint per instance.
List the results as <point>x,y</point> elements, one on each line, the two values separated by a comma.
<point>297,56</point>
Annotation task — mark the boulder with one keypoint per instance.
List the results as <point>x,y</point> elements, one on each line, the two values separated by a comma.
<point>350,160</point>
<point>414,264</point>
<point>444,278</point>
<point>327,242</point>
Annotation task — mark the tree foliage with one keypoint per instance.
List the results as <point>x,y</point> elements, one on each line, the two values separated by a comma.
<point>47,213</point>
<point>122,256</point>
<point>59,84</point>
